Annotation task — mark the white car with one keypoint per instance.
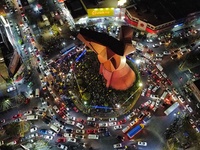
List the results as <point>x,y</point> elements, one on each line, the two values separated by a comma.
<point>52,132</point>
<point>117,127</point>
<point>80,131</point>
<point>33,135</point>
<point>181,99</point>
<point>103,124</point>
<point>71,140</point>
<point>59,125</point>
<point>131,115</point>
<point>155,45</point>
<point>48,137</point>
<point>189,108</point>
<point>112,123</point>
<point>196,128</point>
<point>140,143</point>
<point>119,145</point>
<point>56,109</point>
<point>28,113</point>
<point>155,88</point>
<point>72,118</point>
<point>90,119</point>
<point>154,96</point>
<point>158,59</point>
<point>143,92</point>
<point>70,122</point>
<point>33,129</point>
<point>61,146</point>
<point>68,135</point>
<point>10,89</point>
<point>112,119</point>
<point>79,125</point>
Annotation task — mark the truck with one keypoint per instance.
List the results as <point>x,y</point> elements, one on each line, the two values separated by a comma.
<point>135,130</point>
<point>171,108</point>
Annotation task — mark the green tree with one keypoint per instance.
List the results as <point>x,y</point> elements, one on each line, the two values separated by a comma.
<point>5,104</point>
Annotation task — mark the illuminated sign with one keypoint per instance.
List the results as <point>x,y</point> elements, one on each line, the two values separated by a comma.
<point>100,12</point>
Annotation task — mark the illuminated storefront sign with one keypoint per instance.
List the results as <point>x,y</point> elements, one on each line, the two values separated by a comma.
<point>100,12</point>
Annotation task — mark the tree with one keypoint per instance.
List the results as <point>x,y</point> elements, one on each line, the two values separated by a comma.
<point>5,104</point>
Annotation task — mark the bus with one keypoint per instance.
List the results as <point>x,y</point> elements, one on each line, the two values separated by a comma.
<point>37,92</point>
<point>171,108</point>
<point>135,130</point>
<point>68,49</point>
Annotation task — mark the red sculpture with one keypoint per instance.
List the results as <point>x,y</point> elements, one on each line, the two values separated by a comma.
<point>111,54</point>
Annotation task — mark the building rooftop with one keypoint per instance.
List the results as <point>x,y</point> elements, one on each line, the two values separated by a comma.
<point>158,12</point>
<point>197,83</point>
<point>89,4</point>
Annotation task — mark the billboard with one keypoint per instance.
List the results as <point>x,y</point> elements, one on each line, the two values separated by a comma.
<point>100,12</point>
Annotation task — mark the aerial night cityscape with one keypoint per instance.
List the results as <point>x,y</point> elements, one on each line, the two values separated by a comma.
<point>99,74</point>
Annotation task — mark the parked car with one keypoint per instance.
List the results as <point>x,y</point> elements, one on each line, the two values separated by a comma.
<point>140,143</point>
<point>117,127</point>
<point>33,129</point>
<point>79,125</point>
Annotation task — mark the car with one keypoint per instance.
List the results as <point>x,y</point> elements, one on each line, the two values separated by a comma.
<point>56,109</point>
<point>28,113</point>
<point>148,93</point>
<point>91,131</point>
<point>79,125</point>
<point>181,99</point>
<point>175,91</point>
<point>155,45</point>
<point>90,119</point>
<point>103,124</point>
<point>132,123</point>
<point>72,37</point>
<point>155,88</point>
<point>166,53</point>
<point>17,116</point>
<point>33,129</point>
<point>61,146</point>
<point>149,40</point>
<point>159,55</point>
<point>195,127</point>
<point>158,59</point>
<point>75,109</point>
<point>174,56</point>
<point>80,131</point>
<point>112,123</point>
<point>100,130</point>
<point>92,124</point>
<point>152,105</point>
<point>147,103</point>
<point>59,125</point>
<point>70,122</point>
<point>169,82</point>
<point>43,131</point>
<point>123,121</point>
<point>189,108</point>
<point>51,132</point>
<point>191,121</point>
<point>79,136</point>
<point>119,145</point>
<point>112,119</point>
<point>48,137</point>
<point>68,135</point>
<point>2,121</point>
<point>143,92</point>
<point>154,96</point>
<point>69,130</point>
<point>61,140</point>
<point>71,140</point>
<point>10,89</point>
<point>140,143</point>
<point>141,116</point>
<point>117,127</point>
<point>33,135</point>
<point>72,118</point>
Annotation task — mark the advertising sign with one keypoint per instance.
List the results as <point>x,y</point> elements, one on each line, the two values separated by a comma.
<point>100,12</point>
